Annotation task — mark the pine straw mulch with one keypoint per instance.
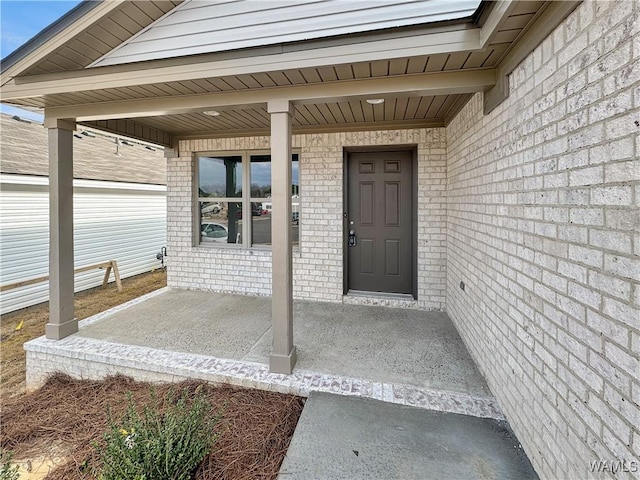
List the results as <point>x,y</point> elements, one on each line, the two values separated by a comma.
<point>20,326</point>
<point>66,416</point>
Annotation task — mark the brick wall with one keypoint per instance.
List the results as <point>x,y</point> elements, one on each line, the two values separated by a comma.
<point>318,263</point>
<point>543,228</point>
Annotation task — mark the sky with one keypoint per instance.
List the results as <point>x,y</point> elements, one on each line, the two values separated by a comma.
<point>212,173</point>
<point>20,20</point>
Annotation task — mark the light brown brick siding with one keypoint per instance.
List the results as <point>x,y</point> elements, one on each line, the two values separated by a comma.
<point>318,264</point>
<point>542,226</point>
<point>534,207</point>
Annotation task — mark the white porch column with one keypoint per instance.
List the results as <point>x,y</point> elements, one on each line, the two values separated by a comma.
<point>62,321</point>
<point>283,355</point>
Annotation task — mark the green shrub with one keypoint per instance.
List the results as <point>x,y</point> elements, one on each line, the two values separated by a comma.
<point>7,472</point>
<point>159,443</point>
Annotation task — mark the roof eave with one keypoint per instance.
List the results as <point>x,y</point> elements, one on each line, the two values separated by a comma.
<point>47,34</point>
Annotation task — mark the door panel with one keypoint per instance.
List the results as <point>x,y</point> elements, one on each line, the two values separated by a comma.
<point>367,202</point>
<point>367,256</point>
<point>392,204</point>
<point>379,212</point>
<point>392,257</point>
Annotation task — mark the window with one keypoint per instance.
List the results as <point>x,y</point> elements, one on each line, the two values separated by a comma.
<point>220,178</point>
<point>232,188</point>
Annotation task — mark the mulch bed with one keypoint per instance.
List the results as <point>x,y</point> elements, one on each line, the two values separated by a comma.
<point>20,326</point>
<point>66,416</point>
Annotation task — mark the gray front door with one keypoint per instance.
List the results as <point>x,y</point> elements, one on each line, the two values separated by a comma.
<point>379,213</point>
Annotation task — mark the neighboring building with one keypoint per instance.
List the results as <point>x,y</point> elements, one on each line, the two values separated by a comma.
<point>120,208</point>
<point>486,153</point>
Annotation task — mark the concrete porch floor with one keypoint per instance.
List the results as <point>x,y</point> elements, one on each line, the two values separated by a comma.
<point>402,356</point>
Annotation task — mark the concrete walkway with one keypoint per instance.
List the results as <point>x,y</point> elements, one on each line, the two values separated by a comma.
<point>359,438</point>
<point>403,356</point>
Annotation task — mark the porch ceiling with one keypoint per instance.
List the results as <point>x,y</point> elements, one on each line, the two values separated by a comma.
<point>457,61</point>
<point>399,112</point>
<point>328,80</point>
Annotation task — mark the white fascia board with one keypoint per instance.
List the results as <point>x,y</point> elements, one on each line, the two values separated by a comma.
<point>39,181</point>
<point>14,179</point>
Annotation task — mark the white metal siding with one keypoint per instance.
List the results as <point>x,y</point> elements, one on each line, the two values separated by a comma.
<point>203,27</point>
<point>112,221</point>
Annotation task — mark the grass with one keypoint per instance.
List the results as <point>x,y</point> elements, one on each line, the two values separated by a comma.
<point>32,321</point>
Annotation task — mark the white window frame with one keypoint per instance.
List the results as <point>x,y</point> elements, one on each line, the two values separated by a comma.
<point>246,200</point>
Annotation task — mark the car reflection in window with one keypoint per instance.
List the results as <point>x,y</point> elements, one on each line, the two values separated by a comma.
<point>214,232</point>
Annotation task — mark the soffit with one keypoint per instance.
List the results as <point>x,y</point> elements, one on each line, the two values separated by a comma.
<point>413,110</point>
<point>106,34</point>
<point>141,82</point>
<point>452,57</point>
<point>286,78</point>
<point>422,111</point>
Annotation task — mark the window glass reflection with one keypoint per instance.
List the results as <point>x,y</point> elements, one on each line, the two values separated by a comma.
<point>220,222</point>
<point>220,179</point>
<point>260,171</point>
<point>220,176</point>
<point>260,224</point>
<point>295,199</point>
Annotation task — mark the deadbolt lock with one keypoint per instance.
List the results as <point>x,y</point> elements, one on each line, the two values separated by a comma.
<point>352,238</point>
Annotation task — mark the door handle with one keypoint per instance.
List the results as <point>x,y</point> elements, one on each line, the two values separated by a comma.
<point>352,238</point>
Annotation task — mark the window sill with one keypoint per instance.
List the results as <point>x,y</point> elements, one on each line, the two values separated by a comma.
<point>239,248</point>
